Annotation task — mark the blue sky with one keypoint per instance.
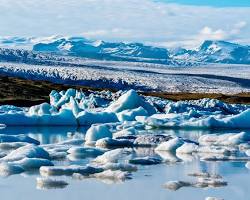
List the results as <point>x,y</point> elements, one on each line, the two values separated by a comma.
<point>169,23</point>
<point>215,3</point>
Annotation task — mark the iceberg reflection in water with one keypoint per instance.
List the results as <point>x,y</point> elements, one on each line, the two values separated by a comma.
<point>147,182</point>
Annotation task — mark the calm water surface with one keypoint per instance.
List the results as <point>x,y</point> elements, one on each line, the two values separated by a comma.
<point>146,183</point>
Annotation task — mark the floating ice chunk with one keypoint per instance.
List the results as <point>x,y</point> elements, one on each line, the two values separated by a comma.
<point>111,156</point>
<point>148,160</point>
<point>248,152</point>
<point>224,139</point>
<point>71,142</point>
<point>170,145</point>
<point>120,166</point>
<point>213,198</point>
<point>185,157</point>
<point>129,115</point>
<point>33,163</point>
<point>68,170</point>
<point>244,146</point>
<point>12,145</point>
<point>150,140</point>
<point>208,182</point>
<point>175,185</point>
<point>205,175</point>
<point>130,100</point>
<point>109,143</point>
<point>96,132</point>
<point>17,138</point>
<point>214,150</point>
<point>57,155</point>
<point>42,109</point>
<point>63,118</point>
<point>205,120</point>
<point>187,148</point>
<point>116,175</point>
<point>2,154</point>
<point>29,151</point>
<point>7,169</point>
<point>48,183</point>
<point>56,147</point>
<point>85,151</point>
<point>54,97</point>
<point>248,165</point>
<point>125,132</point>
<point>59,100</point>
<point>224,158</point>
<point>73,106</point>
<point>86,118</point>
<point>168,156</point>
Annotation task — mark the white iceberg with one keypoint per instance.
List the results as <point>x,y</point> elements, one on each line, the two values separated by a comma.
<point>170,145</point>
<point>130,100</point>
<point>96,132</point>
<point>28,151</point>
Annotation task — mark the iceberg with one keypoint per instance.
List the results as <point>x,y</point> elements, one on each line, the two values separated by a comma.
<point>48,183</point>
<point>96,132</point>
<point>17,138</point>
<point>28,151</point>
<point>86,118</point>
<point>148,160</point>
<point>113,143</point>
<point>129,115</point>
<point>126,110</point>
<point>68,170</point>
<point>7,169</point>
<point>130,100</point>
<point>170,145</point>
<point>187,148</point>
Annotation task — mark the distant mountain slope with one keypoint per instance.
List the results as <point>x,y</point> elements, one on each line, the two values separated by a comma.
<point>46,49</point>
<point>105,50</point>
<point>216,52</point>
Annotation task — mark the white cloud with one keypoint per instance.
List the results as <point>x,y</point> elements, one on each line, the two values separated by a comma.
<point>126,20</point>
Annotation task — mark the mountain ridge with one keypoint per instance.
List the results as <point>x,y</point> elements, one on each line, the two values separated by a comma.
<point>210,51</point>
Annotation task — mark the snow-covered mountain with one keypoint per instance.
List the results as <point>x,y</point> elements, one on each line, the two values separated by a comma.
<point>44,48</point>
<point>77,46</point>
<point>208,52</point>
<point>215,52</point>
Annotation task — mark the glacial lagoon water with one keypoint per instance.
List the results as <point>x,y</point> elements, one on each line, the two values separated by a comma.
<point>147,183</point>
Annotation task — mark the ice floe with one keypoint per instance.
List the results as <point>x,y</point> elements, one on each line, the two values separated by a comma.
<point>187,148</point>
<point>145,160</point>
<point>28,151</point>
<point>96,132</point>
<point>130,100</point>
<point>48,183</point>
<point>68,170</point>
<point>124,131</point>
<point>170,145</point>
<point>7,169</point>
<point>112,156</point>
<point>113,143</point>
<point>75,108</point>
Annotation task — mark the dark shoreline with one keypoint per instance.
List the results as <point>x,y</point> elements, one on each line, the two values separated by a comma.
<point>22,92</point>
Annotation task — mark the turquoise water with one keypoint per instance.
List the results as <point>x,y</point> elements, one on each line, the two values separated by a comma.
<point>146,183</point>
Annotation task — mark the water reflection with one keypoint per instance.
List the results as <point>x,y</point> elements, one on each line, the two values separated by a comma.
<point>147,183</point>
